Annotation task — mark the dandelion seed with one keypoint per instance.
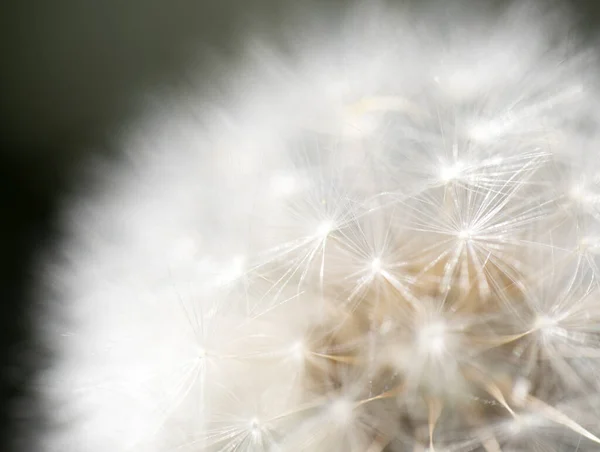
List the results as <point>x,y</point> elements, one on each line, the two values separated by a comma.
<point>520,391</point>
<point>342,411</point>
<point>465,234</point>
<point>451,172</point>
<point>376,266</point>
<point>432,338</point>
<point>298,351</point>
<point>324,229</point>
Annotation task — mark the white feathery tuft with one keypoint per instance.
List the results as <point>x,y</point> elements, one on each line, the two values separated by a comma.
<point>386,240</point>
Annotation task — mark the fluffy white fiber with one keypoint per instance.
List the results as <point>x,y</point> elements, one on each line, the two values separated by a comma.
<point>380,233</point>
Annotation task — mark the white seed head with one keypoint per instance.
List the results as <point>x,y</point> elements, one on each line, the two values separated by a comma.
<point>384,239</point>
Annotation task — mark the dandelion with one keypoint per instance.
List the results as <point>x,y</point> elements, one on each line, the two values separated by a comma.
<point>387,242</point>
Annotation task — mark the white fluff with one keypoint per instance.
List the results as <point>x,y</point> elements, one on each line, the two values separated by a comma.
<point>386,239</point>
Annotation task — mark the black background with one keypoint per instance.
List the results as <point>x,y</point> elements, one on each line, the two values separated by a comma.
<point>71,72</point>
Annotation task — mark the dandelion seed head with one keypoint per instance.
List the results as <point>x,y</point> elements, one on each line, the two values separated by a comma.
<point>382,239</point>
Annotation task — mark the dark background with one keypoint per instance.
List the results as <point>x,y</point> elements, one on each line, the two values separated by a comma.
<point>71,73</point>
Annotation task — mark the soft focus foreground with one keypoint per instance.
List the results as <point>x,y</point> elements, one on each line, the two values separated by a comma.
<point>386,242</point>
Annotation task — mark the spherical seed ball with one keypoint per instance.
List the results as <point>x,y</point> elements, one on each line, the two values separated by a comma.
<point>384,239</point>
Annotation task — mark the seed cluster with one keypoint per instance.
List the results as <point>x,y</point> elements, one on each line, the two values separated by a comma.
<point>385,241</point>
<point>445,312</point>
